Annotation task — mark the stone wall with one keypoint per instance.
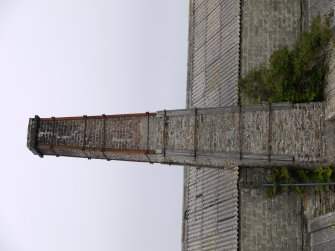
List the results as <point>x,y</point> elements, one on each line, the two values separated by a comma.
<point>324,7</point>
<point>329,91</point>
<point>268,223</point>
<point>317,204</point>
<point>267,26</point>
<point>286,221</point>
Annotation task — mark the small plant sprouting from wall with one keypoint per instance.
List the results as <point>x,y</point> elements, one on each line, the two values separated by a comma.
<point>293,75</point>
<point>285,175</point>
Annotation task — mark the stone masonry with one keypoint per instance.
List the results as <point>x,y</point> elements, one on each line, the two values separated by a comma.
<point>262,135</point>
<point>267,26</point>
<point>278,223</point>
<point>268,223</point>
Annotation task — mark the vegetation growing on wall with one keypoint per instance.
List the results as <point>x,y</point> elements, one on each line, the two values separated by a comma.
<point>286,175</point>
<point>293,75</point>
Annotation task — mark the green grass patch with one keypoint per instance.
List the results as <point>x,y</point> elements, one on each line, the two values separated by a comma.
<point>285,175</point>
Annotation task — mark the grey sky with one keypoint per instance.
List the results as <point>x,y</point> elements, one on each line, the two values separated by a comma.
<point>76,57</point>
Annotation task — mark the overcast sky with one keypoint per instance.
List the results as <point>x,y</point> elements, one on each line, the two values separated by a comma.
<point>76,57</point>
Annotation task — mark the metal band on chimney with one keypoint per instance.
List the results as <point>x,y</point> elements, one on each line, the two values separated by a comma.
<point>148,139</point>
<point>97,149</point>
<point>104,137</point>
<point>53,137</point>
<point>84,139</point>
<point>164,134</point>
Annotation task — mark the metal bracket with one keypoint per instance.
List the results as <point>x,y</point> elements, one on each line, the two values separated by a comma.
<point>104,137</point>
<point>53,137</point>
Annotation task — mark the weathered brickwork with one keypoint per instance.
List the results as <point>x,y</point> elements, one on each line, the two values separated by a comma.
<point>61,132</point>
<point>104,137</point>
